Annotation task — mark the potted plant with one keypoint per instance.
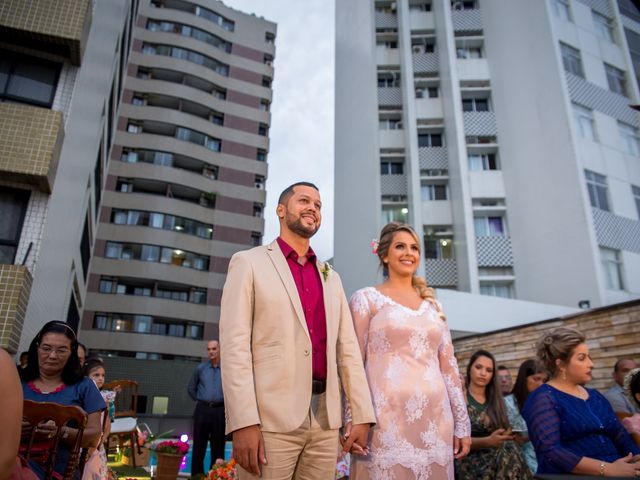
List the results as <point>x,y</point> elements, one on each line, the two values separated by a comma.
<point>223,471</point>
<point>169,454</point>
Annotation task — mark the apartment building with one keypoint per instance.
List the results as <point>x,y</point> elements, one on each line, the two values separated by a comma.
<point>185,190</point>
<point>60,81</point>
<point>503,132</point>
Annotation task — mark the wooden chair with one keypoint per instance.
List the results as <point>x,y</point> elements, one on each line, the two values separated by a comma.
<point>124,426</point>
<point>44,449</point>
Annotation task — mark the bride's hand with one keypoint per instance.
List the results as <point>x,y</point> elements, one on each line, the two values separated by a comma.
<point>461,447</point>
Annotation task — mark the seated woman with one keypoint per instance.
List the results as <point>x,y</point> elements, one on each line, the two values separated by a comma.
<point>573,428</point>
<point>494,455</point>
<point>632,388</point>
<point>531,375</point>
<point>53,375</point>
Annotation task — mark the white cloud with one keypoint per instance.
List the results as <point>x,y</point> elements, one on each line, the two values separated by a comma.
<point>301,131</point>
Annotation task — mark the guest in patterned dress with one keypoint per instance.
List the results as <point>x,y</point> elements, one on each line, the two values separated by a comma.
<point>494,455</point>
<point>422,422</point>
<point>531,375</point>
<point>574,429</point>
<point>632,389</point>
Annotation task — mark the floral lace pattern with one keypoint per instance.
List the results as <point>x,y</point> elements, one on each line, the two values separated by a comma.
<point>415,387</point>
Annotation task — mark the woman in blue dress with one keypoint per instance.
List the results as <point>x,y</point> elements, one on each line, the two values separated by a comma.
<point>53,375</point>
<point>573,428</point>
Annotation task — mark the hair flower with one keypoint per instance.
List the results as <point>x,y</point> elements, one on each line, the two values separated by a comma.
<point>374,246</point>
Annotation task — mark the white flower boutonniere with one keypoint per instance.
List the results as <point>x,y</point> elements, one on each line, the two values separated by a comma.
<point>325,269</point>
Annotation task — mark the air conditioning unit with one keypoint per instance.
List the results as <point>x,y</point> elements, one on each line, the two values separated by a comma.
<point>269,63</point>
<point>417,49</point>
<point>419,93</point>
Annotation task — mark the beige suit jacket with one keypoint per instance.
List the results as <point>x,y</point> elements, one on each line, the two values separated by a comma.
<point>266,347</point>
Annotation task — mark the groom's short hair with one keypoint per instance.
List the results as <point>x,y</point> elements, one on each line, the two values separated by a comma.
<point>287,192</point>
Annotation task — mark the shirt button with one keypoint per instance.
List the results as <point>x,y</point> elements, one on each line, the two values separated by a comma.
<point>306,353</point>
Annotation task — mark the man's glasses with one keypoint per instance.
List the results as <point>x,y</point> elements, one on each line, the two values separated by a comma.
<point>60,352</point>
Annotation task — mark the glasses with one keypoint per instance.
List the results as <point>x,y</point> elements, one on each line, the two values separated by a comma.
<point>60,352</point>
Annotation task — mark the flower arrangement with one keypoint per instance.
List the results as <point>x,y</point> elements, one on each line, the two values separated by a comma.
<point>223,471</point>
<point>171,447</point>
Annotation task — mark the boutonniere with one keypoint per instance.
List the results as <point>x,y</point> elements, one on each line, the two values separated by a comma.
<point>325,269</point>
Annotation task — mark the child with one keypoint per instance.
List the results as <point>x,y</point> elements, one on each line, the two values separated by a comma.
<point>96,466</point>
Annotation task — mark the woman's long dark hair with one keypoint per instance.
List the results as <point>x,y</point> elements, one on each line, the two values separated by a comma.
<point>520,390</point>
<point>496,410</point>
<point>71,373</point>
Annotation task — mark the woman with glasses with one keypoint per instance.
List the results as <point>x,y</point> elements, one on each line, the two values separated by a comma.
<point>53,374</point>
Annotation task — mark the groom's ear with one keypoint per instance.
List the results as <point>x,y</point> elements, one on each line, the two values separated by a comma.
<point>280,210</point>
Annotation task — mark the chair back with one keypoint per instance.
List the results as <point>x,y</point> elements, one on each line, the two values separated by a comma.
<point>126,401</point>
<point>44,449</point>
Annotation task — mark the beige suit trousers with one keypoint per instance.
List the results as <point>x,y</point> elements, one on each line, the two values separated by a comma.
<point>307,453</point>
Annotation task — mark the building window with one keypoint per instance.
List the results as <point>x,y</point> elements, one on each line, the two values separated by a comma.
<point>482,161</point>
<point>163,221</point>
<point>502,290</point>
<point>617,79</point>
<point>188,55</point>
<point>438,248</point>
<point>469,52</point>
<point>571,60</point>
<point>85,248</point>
<point>429,140</point>
<point>261,155</point>
<point>636,196</point>
<point>270,38</point>
<point>463,5</point>
<point>394,213</point>
<point>13,206</point>
<point>391,168</point>
<point>585,123</point>
<point>489,226</point>
<point>127,323</point>
<point>630,138</point>
<point>259,182</point>
<point>263,129</point>
<point>188,31</point>
<point>214,17</point>
<point>390,124</point>
<point>153,253</point>
<point>597,187</point>
<point>256,239</point>
<point>603,26</point>
<point>612,266</point>
<point>192,136</point>
<point>28,79</point>
<point>475,105</point>
<point>430,192</point>
<point>561,9</point>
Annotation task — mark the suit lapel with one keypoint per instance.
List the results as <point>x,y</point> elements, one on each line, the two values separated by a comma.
<point>325,295</point>
<point>284,272</point>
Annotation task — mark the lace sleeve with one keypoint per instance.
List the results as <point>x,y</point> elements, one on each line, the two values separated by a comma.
<point>361,314</point>
<point>543,419</point>
<point>451,376</point>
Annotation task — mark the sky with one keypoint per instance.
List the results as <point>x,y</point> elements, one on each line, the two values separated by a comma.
<point>301,132</point>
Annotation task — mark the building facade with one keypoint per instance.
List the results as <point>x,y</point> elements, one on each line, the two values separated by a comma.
<point>503,132</point>
<point>60,76</point>
<point>185,188</point>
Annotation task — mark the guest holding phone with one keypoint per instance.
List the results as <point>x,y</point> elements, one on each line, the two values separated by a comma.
<point>494,455</point>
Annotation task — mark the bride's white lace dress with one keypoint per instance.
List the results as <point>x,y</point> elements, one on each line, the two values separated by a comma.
<point>415,388</point>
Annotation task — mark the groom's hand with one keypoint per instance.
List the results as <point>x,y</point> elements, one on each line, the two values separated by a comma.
<point>357,439</point>
<point>248,449</point>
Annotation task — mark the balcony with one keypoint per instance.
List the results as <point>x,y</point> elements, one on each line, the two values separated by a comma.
<point>30,143</point>
<point>393,184</point>
<point>470,69</point>
<point>480,124</point>
<point>467,22</point>
<point>441,272</point>
<point>433,158</point>
<point>386,20</point>
<point>614,231</point>
<point>391,138</point>
<point>494,251</point>
<point>59,28</point>
<point>14,296</point>
<point>425,63</point>
<point>389,97</point>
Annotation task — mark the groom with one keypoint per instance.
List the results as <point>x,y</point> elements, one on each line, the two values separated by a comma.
<point>288,346</point>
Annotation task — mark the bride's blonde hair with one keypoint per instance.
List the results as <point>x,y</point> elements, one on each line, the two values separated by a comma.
<point>386,237</point>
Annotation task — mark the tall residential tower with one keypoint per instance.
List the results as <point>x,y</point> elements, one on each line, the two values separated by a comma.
<point>502,130</point>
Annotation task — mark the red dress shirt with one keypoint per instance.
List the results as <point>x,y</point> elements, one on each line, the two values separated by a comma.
<point>309,285</point>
